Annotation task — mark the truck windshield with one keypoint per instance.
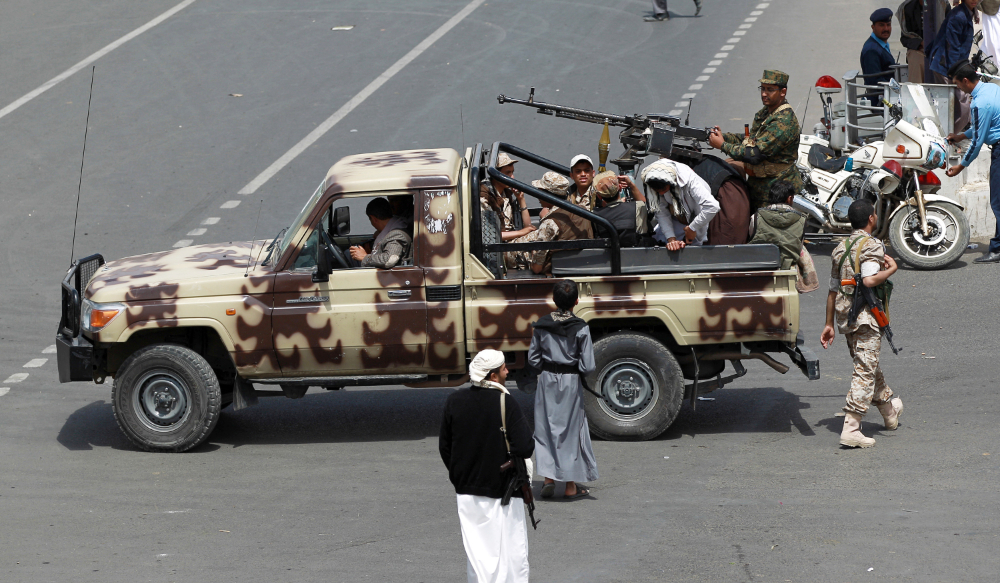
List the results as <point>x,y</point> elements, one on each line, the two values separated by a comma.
<point>293,229</point>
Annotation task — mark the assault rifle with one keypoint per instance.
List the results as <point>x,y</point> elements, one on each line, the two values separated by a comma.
<point>519,481</point>
<point>864,296</point>
<point>643,135</point>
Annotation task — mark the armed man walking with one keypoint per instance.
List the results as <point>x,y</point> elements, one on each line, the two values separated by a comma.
<point>864,254</point>
<point>768,153</point>
<point>473,449</point>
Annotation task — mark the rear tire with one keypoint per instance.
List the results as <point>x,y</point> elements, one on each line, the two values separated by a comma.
<point>638,386</point>
<point>166,398</point>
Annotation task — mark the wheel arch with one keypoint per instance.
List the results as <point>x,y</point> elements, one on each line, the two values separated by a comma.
<point>203,335</point>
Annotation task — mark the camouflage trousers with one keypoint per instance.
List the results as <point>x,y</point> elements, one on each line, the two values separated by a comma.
<point>867,383</point>
<point>520,259</point>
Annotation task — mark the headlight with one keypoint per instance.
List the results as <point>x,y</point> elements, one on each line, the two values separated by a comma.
<point>94,317</point>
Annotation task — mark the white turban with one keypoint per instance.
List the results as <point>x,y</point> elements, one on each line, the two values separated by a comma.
<point>663,169</point>
<point>486,361</point>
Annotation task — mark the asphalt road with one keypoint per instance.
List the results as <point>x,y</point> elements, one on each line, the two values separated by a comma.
<point>348,486</point>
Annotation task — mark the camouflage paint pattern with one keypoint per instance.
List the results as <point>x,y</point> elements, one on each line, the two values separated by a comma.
<point>376,321</point>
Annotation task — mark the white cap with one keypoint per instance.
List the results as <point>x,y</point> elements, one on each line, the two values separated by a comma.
<point>580,158</point>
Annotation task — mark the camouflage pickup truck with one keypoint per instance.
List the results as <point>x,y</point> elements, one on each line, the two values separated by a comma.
<point>187,332</point>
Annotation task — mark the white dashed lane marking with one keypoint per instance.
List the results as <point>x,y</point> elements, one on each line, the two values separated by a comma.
<point>4,391</point>
<point>16,377</point>
<point>210,221</point>
<point>230,204</point>
<point>35,362</point>
<point>197,232</point>
<point>69,72</point>
<point>51,349</point>
<point>183,243</point>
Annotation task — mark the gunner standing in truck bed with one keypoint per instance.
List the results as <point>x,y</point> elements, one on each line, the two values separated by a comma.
<point>562,349</point>
<point>769,152</point>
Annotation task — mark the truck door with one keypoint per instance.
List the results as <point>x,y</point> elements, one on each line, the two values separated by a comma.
<point>363,321</point>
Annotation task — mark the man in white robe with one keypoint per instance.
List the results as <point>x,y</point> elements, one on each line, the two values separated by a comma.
<point>473,448</point>
<point>683,203</point>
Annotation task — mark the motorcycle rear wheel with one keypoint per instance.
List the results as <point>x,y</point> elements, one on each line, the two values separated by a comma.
<point>948,239</point>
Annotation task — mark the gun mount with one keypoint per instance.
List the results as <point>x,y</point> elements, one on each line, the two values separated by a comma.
<point>643,135</point>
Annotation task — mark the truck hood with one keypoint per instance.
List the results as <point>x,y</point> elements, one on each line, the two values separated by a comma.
<point>201,270</point>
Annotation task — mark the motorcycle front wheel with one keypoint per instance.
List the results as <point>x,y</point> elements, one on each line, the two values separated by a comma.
<point>947,240</point>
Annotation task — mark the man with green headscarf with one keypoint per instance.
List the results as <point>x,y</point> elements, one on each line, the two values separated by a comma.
<point>768,153</point>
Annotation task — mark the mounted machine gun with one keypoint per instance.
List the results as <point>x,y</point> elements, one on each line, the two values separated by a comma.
<point>643,135</point>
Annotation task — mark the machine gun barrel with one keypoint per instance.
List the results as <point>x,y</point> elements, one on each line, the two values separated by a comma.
<point>587,115</point>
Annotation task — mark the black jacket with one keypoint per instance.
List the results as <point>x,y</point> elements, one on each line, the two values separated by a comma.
<point>471,442</point>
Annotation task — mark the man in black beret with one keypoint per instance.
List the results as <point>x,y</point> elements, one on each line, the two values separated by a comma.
<point>876,57</point>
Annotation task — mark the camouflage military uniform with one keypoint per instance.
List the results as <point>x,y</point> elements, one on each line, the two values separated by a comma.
<point>559,225</point>
<point>777,137</point>
<point>863,338</point>
<point>486,193</point>
<point>585,200</point>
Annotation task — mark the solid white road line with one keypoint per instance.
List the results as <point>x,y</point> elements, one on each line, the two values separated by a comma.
<point>51,349</point>
<point>35,362</point>
<point>4,391</point>
<point>357,100</point>
<point>16,377</point>
<point>69,72</point>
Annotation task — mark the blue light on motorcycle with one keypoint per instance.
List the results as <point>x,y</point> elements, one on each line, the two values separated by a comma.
<point>849,165</point>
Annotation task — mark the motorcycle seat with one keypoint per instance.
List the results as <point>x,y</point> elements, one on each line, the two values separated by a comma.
<point>825,158</point>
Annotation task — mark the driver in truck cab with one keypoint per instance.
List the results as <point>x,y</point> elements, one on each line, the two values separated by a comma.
<point>393,243</point>
<point>683,204</point>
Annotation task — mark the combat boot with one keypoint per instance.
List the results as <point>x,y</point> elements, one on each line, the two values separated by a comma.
<point>851,435</point>
<point>891,411</point>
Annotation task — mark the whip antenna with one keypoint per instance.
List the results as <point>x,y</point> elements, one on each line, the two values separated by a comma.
<point>250,256</point>
<point>79,186</point>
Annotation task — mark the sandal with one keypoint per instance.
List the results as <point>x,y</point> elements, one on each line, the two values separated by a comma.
<point>548,490</point>
<point>581,492</point>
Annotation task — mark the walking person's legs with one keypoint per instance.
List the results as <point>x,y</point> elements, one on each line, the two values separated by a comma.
<point>660,12</point>
<point>993,255</point>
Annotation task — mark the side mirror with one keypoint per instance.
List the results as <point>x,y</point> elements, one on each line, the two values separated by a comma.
<point>324,259</point>
<point>341,221</point>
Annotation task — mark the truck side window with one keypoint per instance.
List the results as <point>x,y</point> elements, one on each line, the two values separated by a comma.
<point>307,256</point>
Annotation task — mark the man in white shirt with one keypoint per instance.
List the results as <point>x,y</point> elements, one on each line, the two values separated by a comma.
<point>683,204</point>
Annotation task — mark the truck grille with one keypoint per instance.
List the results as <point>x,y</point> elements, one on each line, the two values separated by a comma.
<point>73,285</point>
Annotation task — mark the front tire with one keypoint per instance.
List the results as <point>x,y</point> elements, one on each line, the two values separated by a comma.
<point>639,388</point>
<point>947,242</point>
<point>166,398</point>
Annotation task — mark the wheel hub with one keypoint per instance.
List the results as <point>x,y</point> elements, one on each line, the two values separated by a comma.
<point>161,400</point>
<point>627,387</point>
<point>935,228</point>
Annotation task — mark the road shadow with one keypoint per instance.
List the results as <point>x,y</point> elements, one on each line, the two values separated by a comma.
<point>351,415</point>
<point>760,410</point>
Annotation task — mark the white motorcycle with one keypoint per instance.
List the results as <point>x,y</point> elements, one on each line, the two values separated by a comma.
<point>927,230</point>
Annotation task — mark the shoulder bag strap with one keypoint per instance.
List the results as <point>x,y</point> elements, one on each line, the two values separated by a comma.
<point>503,421</point>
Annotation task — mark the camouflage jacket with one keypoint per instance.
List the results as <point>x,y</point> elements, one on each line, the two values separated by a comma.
<point>585,200</point>
<point>559,225</point>
<point>872,250</point>
<point>487,194</point>
<point>395,247</point>
<point>777,137</point>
